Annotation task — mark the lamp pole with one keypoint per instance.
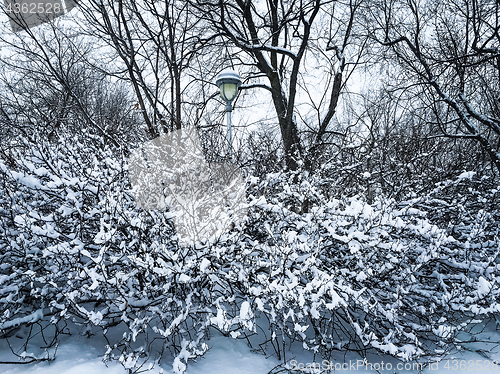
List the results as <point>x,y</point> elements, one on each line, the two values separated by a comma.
<point>229,109</point>
<point>228,82</point>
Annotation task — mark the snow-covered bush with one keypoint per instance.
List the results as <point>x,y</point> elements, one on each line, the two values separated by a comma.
<point>74,246</point>
<point>349,275</point>
<point>326,272</point>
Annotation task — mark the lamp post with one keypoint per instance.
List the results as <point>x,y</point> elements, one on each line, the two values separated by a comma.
<point>228,82</point>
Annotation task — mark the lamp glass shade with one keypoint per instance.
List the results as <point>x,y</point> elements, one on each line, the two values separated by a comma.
<point>228,91</point>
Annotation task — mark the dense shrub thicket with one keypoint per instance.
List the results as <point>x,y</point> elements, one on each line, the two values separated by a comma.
<point>331,272</point>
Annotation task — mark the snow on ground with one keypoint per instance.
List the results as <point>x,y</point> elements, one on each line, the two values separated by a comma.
<point>81,355</point>
<point>75,355</point>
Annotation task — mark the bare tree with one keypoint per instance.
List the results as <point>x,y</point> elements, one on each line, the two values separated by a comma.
<point>155,43</point>
<point>447,56</point>
<point>50,84</point>
<point>280,40</point>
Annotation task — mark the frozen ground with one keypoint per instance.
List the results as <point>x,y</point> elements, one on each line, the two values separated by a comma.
<point>81,355</point>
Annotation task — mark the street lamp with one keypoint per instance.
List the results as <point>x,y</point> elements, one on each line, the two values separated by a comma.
<point>228,82</point>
